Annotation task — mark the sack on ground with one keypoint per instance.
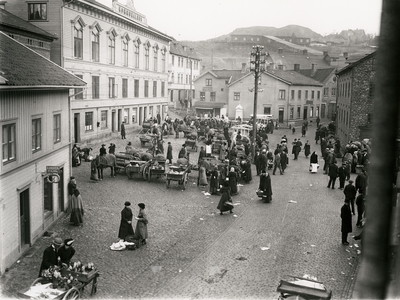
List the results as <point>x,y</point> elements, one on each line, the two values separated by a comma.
<point>132,239</point>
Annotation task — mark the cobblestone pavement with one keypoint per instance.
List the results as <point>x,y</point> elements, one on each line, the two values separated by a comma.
<point>195,253</point>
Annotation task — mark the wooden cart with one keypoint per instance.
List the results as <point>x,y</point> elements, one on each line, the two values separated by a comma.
<point>192,143</point>
<point>303,288</point>
<point>134,168</point>
<point>156,170</point>
<point>179,174</point>
<point>41,288</point>
<point>122,160</point>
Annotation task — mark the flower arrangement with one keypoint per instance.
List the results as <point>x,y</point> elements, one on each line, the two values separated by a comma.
<point>81,268</point>
<point>59,281</point>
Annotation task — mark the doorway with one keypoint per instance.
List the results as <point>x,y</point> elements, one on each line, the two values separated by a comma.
<point>145,113</point>
<point>119,119</point>
<point>140,116</point>
<point>281,115</point>
<point>305,112</point>
<point>77,137</point>
<point>113,121</point>
<point>60,191</point>
<point>24,217</point>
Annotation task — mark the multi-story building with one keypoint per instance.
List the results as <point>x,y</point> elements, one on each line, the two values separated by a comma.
<point>212,89</point>
<point>304,41</point>
<point>26,33</point>
<point>184,67</point>
<point>35,134</point>
<point>355,90</point>
<point>288,96</point>
<point>122,59</point>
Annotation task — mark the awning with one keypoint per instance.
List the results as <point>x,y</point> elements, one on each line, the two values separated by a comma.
<point>208,105</point>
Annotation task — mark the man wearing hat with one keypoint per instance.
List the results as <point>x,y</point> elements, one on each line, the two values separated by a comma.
<point>333,173</point>
<point>169,152</point>
<point>345,215</point>
<point>183,152</point>
<point>103,150</point>
<point>111,148</point>
<point>342,175</point>
<point>66,251</point>
<point>50,255</point>
<point>350,192</point>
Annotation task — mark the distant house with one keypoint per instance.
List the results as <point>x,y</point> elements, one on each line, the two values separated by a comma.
<point>183,68</point>
<point>212,90</point>
<point>356,85</point>
<point>35,134</point>
<point>304,41</point>
<point>287,95</point>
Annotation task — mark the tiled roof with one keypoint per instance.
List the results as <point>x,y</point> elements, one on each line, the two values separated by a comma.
<point>305,61</point>
<point>319,75</point>
<point>295,46</point>
<point>353,64</point>
<point>179,49</point>
<point>233,74</point>
<point>293,77</point>
<point>21,66</point>
<point>7,19</point>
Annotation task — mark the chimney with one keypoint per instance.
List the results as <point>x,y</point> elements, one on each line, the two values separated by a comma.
<point>3,4</point>
<point>313,69</point>
<point>296,67</point>
<point>280,51</point>
<point>325,53</point>
<point>346,55</point>
<point>243,67</point>
<point>305,51</point>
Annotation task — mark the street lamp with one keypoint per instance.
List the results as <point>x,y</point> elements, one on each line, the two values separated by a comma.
<point>257,65</point>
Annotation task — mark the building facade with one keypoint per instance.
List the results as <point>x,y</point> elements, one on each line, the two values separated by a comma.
<point>184,67</point>
<point>122,59</point>
<point>35,134</point>
<point>355,90</point>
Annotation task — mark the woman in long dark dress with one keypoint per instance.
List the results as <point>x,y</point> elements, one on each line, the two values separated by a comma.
<point>233,181</point>
<point>141,225</point>
<point>76,208</point>
<point>214,181</point>
<point>225,203</point>
<point>307,149</point>
<point>265,186</point>
<point>125,228</point>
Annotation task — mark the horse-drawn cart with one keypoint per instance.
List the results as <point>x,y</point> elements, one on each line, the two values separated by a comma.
<point>179,174</point>
<point>42,288</point>
<point>122,161</point>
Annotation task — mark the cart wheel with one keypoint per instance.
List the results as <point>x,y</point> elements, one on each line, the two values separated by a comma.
<point>145,173</point>
<point>73,293</point>
<point>167,184</point>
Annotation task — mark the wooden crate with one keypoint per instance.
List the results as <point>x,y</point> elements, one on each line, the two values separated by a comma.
<point>87,277</point>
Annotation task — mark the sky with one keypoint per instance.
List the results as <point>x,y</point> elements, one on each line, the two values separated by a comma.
<point>198,20</point>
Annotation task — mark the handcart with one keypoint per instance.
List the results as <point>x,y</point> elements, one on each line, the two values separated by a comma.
<point>41,288</point>
<point>303,288</point>
<point>156,169</point>
<point>134,167</point>
<point>191,143</point>
<point>179,174</point>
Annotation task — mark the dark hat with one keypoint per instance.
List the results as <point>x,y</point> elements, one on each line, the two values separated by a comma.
<point>351,181</point>
<point>127,203</point>
<point>57,241</point>
<point>169,143</point>
<point>103,145</point>
<point>72,177</point>
<point>68,242</point>
<point>141,205</point>
<point>129,143</point>
<point>346,200</point>
<point>183,145</point>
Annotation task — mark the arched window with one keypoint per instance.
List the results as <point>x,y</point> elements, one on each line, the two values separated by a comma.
<point>137,53</point>
<point>125,46</point>
<point>163,54</point>
<point>78,40</point>
<point>146,56</point>
<point>155,48</point>
<point>95,44</point>
<point>111,47</point>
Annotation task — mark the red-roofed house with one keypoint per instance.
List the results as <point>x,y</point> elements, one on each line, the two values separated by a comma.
<point>35,134</point>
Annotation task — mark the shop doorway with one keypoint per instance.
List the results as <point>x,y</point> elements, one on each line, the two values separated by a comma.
<point>76,128</point>
<point>113,121</point>
<point>281,115</point>
<point>60,191</point>
<point>305,112</point>
<point>140,116</point>
<point>24,217</point>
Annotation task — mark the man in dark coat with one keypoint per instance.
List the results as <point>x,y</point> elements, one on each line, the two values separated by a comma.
<point>169,152</point>
<point>125,228</point>
<point>333,174</point>
<point>345,214</point>
<point>103,150</point>
<point>202,154</point>
<point>360,209</point>
<point>111,148</point>
<point>361,181</point>
<point>183,152</point>
<point>50,255</point>
<point>265,186</point>
<point>123,130</point>
<point>263,160</point>
<point>342,175</point>
<point>284,160</point>
<point>350,194</point>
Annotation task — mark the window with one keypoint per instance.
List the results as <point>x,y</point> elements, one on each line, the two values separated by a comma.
<point>111,49</point>
<point>212,96</point>
<point>282,94</point>
<point>326,92</point>
<point>126,115</point>
<point>311,112</point>
<point>103,122</point>
<point>95,44</point>
<point>78,92</point>
<point>41,44</point>
<point>36,134</point>
<point>298,112</point>
<point>267,110</point>
<point>137,49</point>
<point>134,114</point>
<point>172,77</point>
<point>30,42</point>
<point>57,128</point>
<point>312,95</point>
<point>202,96</point>
<point>111,87</point>
<point>154,89</point>
<point>136,88</point>
<point>317,111</point>
<point>306,95</point>
<point>47,197</point>
<point>37,11</point>
<point>88,121</point>
<point>146,57</point>
<point>333,92</point>
<point>292,95</point>
<point>236,96</point>
<point>146,88</point>
<point>173,60</point>
<point>155,59</point>
<point>318,95</point>
<point>208,82</point>
<point>162,89</point>
<point>95,87</point>
<point>124,88</point>
<point>299,95</point>
<point>291,113</point>
<point>78,40</point>
<point>371,90</point>
<point>125,47</point>
<point>163,61</point>
<point>187,79</point>
<point>226,81</point>
<point>8,143</point>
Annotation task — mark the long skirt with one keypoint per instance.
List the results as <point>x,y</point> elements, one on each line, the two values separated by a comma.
<point>202,176</point>
<point>141,230</point>
<point>76,216</point>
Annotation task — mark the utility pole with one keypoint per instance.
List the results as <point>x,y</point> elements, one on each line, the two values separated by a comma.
<point>257,65</point>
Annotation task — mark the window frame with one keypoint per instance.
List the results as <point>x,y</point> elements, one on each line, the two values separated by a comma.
<point>162,89</point>
<point>236,96</point>
<point>111,49</point>
<point>9,146</point>
<point>202,96</point>
<point>88,117</point>
<point>124,88</point>
<point>137,54</point>
<point>208,81</point>
<point>154,89</point>
<point>103,119</point>
<point>155,60</point>
<point>213,96</point>
<point>282,94</point>
<point>36,134</point>
<point>147,57</point>
<point>111,87</point>
<point>146,88</point>
<point>56,128</point>
<point>32,16</point>
<point>95,87</point>
<point>78,40</point>
<point>125,51</point>
<point>136,88</point>
<point>95,37</point>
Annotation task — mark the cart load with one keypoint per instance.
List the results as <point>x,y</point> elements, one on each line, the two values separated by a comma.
<point>178,173</point>
<point>147,138</point>
<point>135,167</point>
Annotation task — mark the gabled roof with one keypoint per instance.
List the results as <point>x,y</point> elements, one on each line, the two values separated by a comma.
<point>182,50</point>
<point>319,75</point>
<point>292,45</point>
<point>231,75</point>
<point>305,61</point>
<point>9,20</point>
<point>351,65</point>
<point>23,67</point>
